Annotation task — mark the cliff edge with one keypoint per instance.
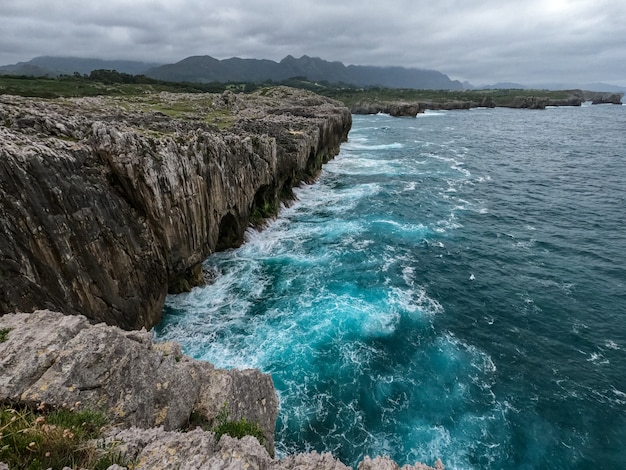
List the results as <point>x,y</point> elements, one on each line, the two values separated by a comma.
<point>106,204</point>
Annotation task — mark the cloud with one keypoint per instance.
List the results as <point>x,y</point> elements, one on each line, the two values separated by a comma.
<point>481,41</point>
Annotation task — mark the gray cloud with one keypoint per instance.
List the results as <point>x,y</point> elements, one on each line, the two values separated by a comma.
<point>485,41</point>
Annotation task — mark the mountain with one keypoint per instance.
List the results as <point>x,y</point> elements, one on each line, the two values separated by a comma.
<point>504,86</point>
<point>53,66</point>
<point>206,69</point>
<point>209,69</point>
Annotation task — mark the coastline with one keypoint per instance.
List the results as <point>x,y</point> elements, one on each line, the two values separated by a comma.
<point>108,204</point>
<point>411,108</point>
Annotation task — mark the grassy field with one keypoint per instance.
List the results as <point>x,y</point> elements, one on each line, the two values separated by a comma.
<point>77,86</point>
<point>117,84</point>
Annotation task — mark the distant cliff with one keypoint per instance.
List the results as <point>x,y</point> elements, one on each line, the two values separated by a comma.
<point>108,203</point>
<point>528,99</point>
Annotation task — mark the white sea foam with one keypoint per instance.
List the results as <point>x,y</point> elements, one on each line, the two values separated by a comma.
<point>362,146</point>
<point>431,113</point>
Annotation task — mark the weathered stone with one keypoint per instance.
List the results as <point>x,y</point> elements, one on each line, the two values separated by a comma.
<point>245,393</point>
<point>32,348</point>
<point>197,449</point>
<point>395,108</point>
<point>385,463</point>
<point>412,108</point>
<point>103,210</point>
<point>310,461</point>
<point>63,360</point>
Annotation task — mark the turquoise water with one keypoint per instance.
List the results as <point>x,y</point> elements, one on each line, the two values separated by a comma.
<point>453,286</point>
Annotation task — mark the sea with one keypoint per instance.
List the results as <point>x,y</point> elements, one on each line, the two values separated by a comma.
<point>452,286</point>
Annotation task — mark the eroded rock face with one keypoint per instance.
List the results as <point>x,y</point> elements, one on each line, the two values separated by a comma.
<point>107,204</point>
<point>62,360</point>
<point>155,449</point>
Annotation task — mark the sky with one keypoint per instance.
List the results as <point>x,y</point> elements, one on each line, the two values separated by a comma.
<point>481,41</point>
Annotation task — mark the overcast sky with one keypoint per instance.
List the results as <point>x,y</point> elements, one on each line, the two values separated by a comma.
<point>482,41</point>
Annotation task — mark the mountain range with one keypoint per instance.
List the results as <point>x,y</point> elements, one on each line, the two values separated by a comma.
<point>206,69</point>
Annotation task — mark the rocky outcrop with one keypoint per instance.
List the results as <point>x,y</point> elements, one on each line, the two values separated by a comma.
<point>149,392</point>
<point>106,204</point>
<point>395,108</point>
<point>62,360</point>
<point>155,449</point>
<point>602,97</point>
<point>526,101</point>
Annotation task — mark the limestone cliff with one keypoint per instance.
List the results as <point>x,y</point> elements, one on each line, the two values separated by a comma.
<point>108,203</point>
<point>507,100</point>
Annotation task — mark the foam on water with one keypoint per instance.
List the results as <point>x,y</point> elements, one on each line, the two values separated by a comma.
<point>436,295</point>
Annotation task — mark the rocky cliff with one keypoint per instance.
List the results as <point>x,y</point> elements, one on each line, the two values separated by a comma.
<point>149,393</point>
<point>108,203</point>
<point>411,108</point>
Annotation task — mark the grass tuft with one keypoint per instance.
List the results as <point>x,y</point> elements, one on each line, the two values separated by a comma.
<point>4,334</point>
<point>238,428</point>
<point>37,439</point>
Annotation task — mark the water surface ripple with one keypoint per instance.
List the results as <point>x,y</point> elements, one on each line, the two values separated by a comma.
<point>453,286</point>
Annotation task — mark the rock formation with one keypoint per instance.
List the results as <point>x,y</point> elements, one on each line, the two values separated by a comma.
<point>526,101</point>
<point>149,392</point>
<point>393,108</point>
<point>60,360</point>
<point>108,203</point>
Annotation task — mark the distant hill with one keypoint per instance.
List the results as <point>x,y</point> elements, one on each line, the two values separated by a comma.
<point>504,86</point>
<point>209,69</point>
<point>53,66</point>
<point>206,69</point>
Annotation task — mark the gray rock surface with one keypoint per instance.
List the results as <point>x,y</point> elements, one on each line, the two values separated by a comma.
<point>63,360</point>
<point>385,463</point>
<point>108,203</point>
<point>160,450</point>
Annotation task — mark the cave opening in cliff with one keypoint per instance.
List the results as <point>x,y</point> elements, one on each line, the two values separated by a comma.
<point>230,235</point>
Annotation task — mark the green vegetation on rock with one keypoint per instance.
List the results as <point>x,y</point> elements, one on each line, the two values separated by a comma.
<point>38,439</point>
<point>4,334</point>
<point>236,428</point>
<point>222,424</point>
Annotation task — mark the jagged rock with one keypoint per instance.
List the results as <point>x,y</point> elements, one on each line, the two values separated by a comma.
<point>310,461</point>
<point>63,360</point>
<point>156,449</point>
<point>599,97</point>
<point>412,108</point>
<point>395,108</point>
<point>385,463</point>
<point>105,205</point>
